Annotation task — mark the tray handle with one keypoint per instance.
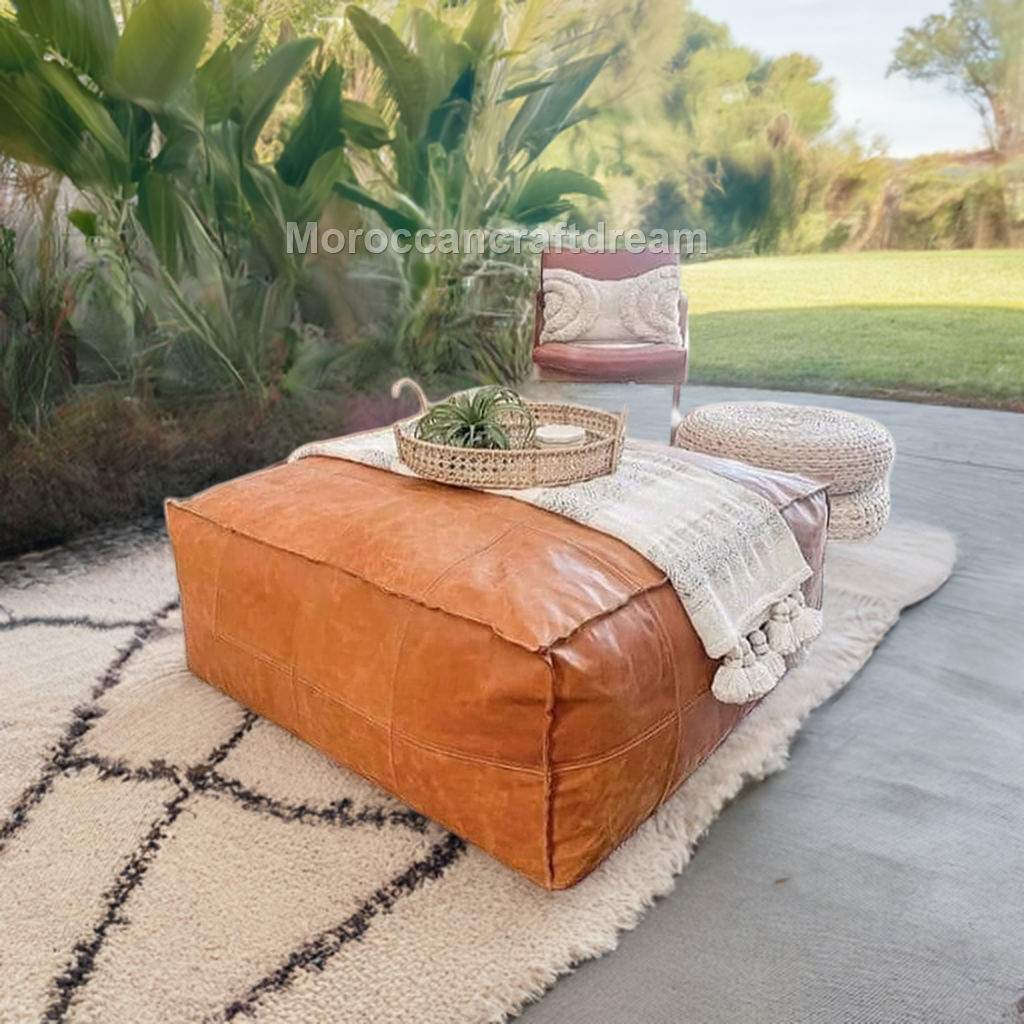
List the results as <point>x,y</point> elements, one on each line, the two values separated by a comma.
<point>400,385</point>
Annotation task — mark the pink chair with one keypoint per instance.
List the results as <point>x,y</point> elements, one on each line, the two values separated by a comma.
<point>660,363</point>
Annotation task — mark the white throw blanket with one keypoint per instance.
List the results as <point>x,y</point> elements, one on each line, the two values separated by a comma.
<point>727,552</point>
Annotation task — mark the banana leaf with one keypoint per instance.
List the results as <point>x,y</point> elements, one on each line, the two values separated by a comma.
<point>363,126</point>
<point>92,114</point>
<point>83,32</point>
<point>319,131</point>
<point>160,48</point>
<point>38,127</point>
<point>395,219</point>
<point>404,71</point>
<point>547,110</point>
<point>215,85</point>
<point>540,196</point>
<point>311,198</point>
<point>161,212</point>
<point>445,60</point>
<point>18,51</point>
<point>263,89</point>
<point>480,32</point>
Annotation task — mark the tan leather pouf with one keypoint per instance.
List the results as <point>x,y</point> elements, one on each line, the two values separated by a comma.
<point>851,454</point>
<point>530,684</point>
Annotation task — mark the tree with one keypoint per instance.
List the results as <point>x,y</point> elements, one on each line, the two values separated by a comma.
<point>720,139</point>
<point>977,48</point>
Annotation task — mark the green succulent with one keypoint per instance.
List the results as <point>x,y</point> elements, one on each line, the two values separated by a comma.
<point>492,417</point>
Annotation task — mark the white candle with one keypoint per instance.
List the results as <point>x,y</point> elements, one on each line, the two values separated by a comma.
<point>560,435</point>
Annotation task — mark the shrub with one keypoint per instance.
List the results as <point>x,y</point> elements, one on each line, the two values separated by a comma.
<point>108,458</point>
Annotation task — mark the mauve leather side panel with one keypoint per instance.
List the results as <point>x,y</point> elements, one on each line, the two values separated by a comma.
<point>802,502</point>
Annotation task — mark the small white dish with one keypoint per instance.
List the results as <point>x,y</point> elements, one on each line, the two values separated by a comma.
<point>560,435</point>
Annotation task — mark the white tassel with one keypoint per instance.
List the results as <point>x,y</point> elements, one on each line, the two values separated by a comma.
<point>763,657</point>
<point>762,679</point>
<point>781,637</point>
<point>736,683</point>
<point>797,658</point>
<point>807,625</point>
<point>742,678</point>
<point>772,660</point>
<point>731,685</point>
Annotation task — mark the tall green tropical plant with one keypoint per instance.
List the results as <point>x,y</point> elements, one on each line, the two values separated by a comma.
<point>469,124</point>
<point>472,102</point>
<point>162,144</point>
<point>37,357</point>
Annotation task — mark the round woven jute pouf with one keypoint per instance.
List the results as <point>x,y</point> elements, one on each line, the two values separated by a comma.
<point>860,515</point>
<point>852,455</point>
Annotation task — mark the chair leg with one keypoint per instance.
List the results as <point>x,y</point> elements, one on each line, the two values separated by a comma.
<point>677,417</point>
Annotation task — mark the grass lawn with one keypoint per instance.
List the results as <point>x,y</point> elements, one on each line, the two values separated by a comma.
<point>931,326</point>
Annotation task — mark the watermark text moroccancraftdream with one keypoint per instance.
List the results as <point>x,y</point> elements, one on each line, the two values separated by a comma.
<point>501,240</point>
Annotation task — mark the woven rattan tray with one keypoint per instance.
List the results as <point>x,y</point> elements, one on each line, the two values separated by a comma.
<point>519,468</point>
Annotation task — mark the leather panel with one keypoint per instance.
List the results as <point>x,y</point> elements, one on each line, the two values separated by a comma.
<point>500,810</point>
<point>598,805</point>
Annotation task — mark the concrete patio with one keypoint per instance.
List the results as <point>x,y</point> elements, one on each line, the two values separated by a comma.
<point>880,878</point>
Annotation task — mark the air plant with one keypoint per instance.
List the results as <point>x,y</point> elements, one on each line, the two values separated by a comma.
<point>491,417</point>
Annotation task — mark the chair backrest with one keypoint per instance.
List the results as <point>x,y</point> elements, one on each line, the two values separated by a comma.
<point>650,364</point>
<point>617,265</point>
<point>607,266</point>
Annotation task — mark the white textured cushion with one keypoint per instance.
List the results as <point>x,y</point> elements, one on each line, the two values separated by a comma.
<point>640,310</point>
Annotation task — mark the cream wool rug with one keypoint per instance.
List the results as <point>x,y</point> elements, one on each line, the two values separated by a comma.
<point>167,857</point>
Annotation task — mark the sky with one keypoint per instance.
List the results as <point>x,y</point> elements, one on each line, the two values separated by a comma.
<point>854,42</point>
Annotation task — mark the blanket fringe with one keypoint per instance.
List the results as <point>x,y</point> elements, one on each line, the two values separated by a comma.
<point>763,651</point>
<point>753,668</point>
<point>807,623</point>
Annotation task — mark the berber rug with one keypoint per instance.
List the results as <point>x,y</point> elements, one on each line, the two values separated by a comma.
<point>166,856</point>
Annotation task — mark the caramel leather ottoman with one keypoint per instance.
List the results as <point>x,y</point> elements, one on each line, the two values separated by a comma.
<point>530,684</point>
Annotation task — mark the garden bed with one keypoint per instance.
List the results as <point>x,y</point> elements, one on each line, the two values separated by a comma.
<point>109,459</point>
